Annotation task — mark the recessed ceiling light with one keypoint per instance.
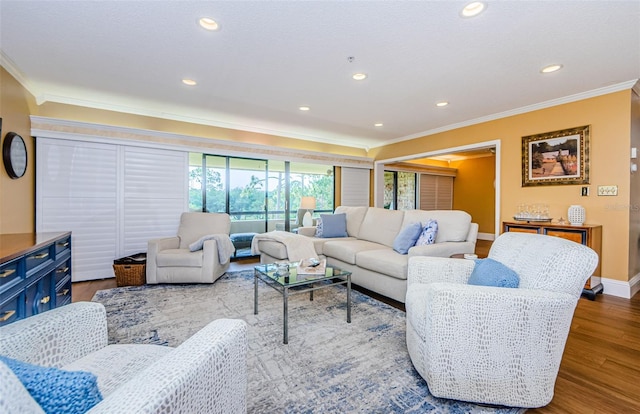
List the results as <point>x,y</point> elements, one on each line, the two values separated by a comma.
<point>551,68</point>
<point>443,103</point>
<point>304,108</point>
<point>379,124</point>
<point>473,9</point>
<point>209,24</point>
<point>189,82</point>
<point>359,76</point>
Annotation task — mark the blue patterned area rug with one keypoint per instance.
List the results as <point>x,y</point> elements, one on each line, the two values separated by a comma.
<point>329,365</point>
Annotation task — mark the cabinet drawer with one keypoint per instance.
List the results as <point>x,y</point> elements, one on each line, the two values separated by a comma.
<point>10,308</point>
<point>63,245</point>
<point>63,270</point>
<point>38,258</point>
<point>9,275</point>
<point>574,236</point>
<point>63,292</point>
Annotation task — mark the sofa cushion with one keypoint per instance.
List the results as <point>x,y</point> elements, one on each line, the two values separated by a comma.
<point>115,365</point>
<point>385,261</point>
<point>381,225</point>
<point>318,243</point>
<point>57,390</point>
<point>407,238</point>
<point>179,257</point>
<point>334,225</point>
<point>453,225</point>
<point>355,215</point>
<point>347,249</point>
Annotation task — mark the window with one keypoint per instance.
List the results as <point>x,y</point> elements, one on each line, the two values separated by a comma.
<point>257,194</point>
<point>399,190</point>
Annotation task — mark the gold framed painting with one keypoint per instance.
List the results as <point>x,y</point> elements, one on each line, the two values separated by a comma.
<point>556,158</point>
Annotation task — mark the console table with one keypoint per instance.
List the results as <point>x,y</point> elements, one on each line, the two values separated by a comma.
<point>35,273</point>
<point>589,235</point>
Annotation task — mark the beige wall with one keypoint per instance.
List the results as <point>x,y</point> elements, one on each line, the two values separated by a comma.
<point>474,192</point>
<point>17,200</point>
<point>608,116</point>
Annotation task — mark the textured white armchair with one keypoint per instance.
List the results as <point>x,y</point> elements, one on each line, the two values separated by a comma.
<point>205,374</point>
<point>170,260</point>
<point>496,345</point>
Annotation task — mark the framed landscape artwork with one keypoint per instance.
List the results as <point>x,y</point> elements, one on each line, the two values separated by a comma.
<point>555,158</point>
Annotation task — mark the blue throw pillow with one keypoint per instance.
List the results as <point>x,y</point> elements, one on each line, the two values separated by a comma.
<point>57,391</point>
<point>334,225</point>
<point>407,238</point>
<point>489,272</point>
<point>429,233</point>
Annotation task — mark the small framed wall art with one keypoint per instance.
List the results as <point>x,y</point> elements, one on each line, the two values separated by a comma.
<point>556,158</point>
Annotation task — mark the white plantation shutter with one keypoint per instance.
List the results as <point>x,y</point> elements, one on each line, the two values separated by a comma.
<point>154,194</point>
<point>354,189</point>
<point>436,192</point>
<point>113,198</point>
<point>76,190</point>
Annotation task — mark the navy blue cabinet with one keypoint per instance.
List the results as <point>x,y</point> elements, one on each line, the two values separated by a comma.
<point>35,273</point>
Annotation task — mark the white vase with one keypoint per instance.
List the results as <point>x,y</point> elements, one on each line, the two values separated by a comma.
<point>576,215</point>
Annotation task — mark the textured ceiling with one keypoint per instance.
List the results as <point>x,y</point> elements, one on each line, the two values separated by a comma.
<point>270,57</point>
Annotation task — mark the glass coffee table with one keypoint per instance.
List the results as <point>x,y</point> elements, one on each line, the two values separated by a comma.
<point>292,283</point>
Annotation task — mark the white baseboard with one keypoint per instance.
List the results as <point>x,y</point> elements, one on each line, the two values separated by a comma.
<point>486,236</point>
<point>621,288</point>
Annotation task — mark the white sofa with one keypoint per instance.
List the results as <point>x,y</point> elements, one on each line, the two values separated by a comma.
<point>368,252</point>
<point>205,374</point>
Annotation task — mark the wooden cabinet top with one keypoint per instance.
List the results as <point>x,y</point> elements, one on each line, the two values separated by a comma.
<point>16,245</point>
<point>550,225</point>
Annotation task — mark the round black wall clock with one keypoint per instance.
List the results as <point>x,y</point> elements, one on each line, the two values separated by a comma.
<point>14,155</point>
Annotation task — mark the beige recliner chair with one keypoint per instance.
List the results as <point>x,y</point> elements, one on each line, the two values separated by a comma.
<point>200,253</point>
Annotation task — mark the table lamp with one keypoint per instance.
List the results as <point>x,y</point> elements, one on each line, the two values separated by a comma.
<point>309,204</point>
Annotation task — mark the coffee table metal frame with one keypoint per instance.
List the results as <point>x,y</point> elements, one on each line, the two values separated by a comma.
<point>293,284</point>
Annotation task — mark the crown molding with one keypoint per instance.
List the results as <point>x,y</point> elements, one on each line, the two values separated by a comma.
<point>83,131</point>
<point>518,111</point>
<point>206,119</point>
<point>13,70</point>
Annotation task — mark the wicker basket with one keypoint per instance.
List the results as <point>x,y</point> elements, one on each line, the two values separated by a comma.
<point>131,270</point>
<point>130,274</point>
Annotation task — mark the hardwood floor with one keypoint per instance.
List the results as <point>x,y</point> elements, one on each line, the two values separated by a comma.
<point>600,369</point>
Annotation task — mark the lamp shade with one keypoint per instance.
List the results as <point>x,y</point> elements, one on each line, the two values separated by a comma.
<point>308,203</point>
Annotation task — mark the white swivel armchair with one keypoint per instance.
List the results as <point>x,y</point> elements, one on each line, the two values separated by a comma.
<point>496,345</point>
<point>200,253</point>
<point>205,374</point>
